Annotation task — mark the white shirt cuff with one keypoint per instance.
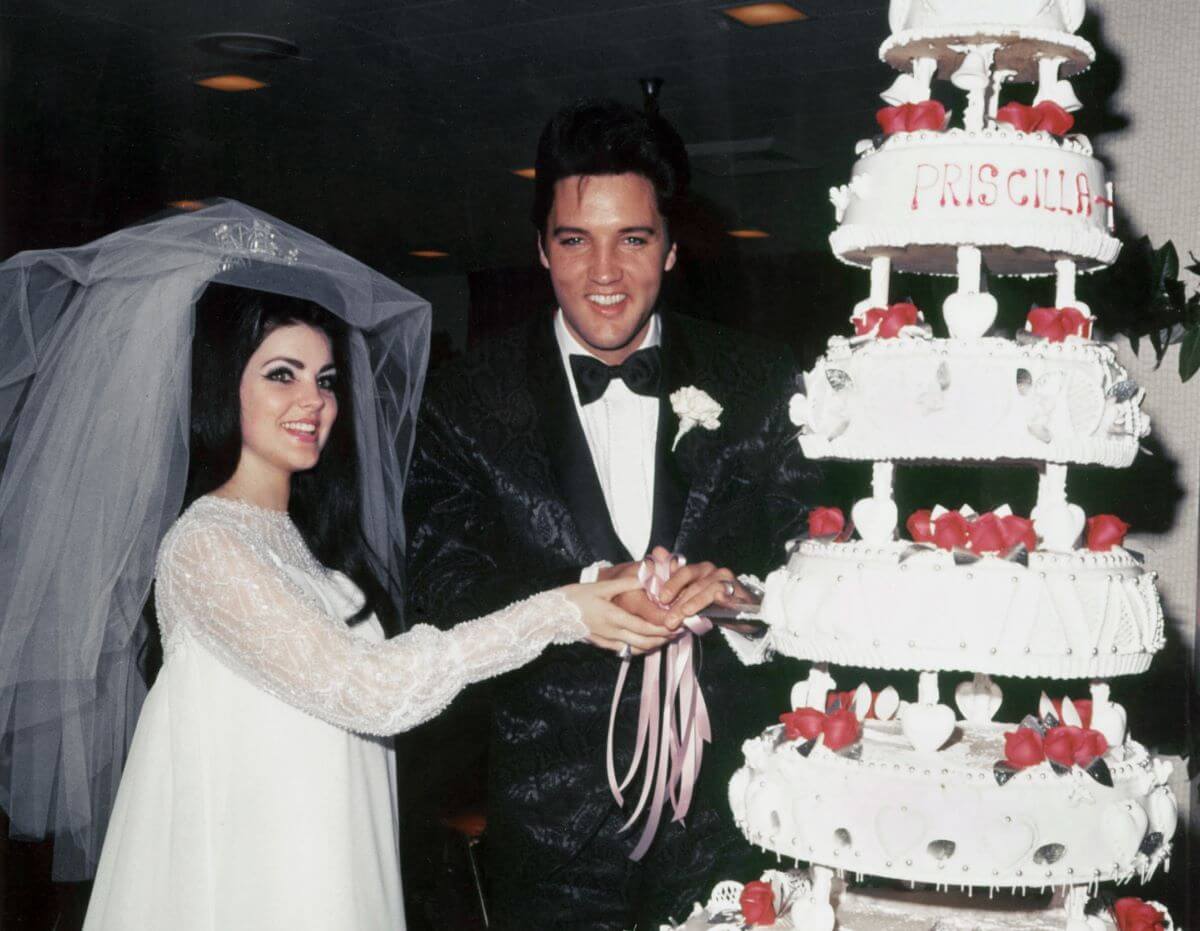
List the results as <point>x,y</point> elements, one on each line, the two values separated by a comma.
<point>592,572</point>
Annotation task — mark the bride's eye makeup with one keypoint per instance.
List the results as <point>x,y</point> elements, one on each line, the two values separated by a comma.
<point>281,374</point>
<point>327,381</point>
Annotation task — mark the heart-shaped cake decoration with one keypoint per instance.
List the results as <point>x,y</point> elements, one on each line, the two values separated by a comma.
<point>969,316</point>
<point>1124,824</point>
<point>1059,525</point>
<point>887,703</point>
<point>899,830</point>
<point>1008,839</point>
<point>875,519</point>
<point>927,727</point>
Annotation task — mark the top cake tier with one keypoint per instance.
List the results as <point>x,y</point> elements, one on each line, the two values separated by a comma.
<point>1025,31</point>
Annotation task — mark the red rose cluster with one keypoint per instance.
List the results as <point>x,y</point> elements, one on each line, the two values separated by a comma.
<point>1104,531</point>
<point>840,728</point>
<point>1064,745</point>
<point>826,522</point>
<point>911,117</point>
<point>758,903</point>
<point>1047,116</point>
<point>1134,914</point>
<point>890,320</point>
<point>1055,324</point>
<point>987,533</point>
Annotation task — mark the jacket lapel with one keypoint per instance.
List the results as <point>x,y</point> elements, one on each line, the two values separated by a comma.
<point>566,446</point>
<point>670,483</point>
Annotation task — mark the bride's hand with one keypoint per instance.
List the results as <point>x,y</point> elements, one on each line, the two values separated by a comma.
<point>610,627</point>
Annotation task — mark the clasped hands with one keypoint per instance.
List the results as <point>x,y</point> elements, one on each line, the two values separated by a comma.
<point>691,588</point>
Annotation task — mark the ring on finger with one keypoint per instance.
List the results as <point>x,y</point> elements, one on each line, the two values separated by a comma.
<point>729,589</point>
<point>626,651</point>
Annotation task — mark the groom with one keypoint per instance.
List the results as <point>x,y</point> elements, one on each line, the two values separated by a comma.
<point>549,455</point>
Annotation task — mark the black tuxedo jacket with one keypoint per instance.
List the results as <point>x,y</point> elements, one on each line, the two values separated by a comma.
<point>503,501</point>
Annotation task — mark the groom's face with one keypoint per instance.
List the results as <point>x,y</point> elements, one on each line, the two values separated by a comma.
<point>606,248</point>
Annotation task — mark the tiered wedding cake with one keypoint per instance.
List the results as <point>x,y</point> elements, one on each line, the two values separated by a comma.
<point>1059,796</point>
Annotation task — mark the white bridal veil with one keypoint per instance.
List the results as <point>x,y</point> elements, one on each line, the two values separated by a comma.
<point>95,348</point>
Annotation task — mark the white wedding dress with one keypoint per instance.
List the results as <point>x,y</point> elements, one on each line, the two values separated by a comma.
<point>255,796</point>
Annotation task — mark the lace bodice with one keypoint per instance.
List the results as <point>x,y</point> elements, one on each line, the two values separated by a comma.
<point>233,576</point>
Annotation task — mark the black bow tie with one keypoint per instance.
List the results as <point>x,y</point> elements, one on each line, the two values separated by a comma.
<point>640,372</point>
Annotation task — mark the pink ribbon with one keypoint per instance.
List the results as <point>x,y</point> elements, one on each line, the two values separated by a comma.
<point>671,734</point>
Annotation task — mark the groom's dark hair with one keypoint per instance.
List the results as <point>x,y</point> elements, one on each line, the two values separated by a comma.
<point>607,137</point>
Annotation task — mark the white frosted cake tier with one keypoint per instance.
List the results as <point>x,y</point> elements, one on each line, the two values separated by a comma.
<point>879,909</point>
<point>898,606</point>
<point>980,399</point>
<point>1025,199</point>
<point>942,818</point>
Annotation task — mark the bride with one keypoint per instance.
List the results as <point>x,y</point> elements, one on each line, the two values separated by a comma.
<point>258,791</point>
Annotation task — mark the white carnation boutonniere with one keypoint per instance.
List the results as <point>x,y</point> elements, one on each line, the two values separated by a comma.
<point>694,408</point>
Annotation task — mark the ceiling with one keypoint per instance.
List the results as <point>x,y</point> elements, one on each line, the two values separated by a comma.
<point>398,125</point>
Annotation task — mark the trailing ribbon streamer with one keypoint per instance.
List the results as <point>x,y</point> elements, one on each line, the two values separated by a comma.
<point>671,734</point>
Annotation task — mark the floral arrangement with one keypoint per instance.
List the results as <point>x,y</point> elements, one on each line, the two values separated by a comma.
<point>1046,116</point>
<point>912,117</point>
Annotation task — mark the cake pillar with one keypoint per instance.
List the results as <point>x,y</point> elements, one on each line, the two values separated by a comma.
<point>876,518</point>
<point>881,274</point>
<point>1058,523</point>
<point>1052,89</point>
<point>974,77</point>
<point>1064,288</point>
<point>968,312</point>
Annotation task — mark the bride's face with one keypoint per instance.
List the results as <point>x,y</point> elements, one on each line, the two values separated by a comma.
<point>288,404</point>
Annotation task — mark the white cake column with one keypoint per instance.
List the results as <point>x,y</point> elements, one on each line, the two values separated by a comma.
<point>1058,523</point>
<point>968,313</point>
<point>881,274</point>
<point>1064,289</point>
<point>876,518</point>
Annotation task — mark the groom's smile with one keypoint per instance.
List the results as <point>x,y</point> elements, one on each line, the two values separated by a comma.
<point>606,247</point>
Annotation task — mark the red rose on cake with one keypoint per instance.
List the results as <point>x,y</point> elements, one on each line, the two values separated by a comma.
<point>840,729</point>
<point>1023,747</point>
<point>1018,531</point>
<point>1066,745</point>
<point>758,903</point>
<point>951,531</point>
<point>1057,323</point>
<point>912,117</point>
<point>846,700</point>
<point>1134,914</point>
<point>1104,531</point>
<point>802,724</point>
<point>1047,116</point>
<point>826,522</point>
<point>987,534</point>
<point>887,322</point>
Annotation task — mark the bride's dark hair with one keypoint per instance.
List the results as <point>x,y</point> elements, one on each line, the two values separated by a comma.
<point>325,503</point>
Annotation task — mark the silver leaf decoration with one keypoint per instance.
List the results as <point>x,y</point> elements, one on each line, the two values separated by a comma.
<point>941,849</point>
<point>1025,338</point>
<point>839,379</point>
<point>1124,391</point>
<point>1049,853</point>
<point>1024,381</point>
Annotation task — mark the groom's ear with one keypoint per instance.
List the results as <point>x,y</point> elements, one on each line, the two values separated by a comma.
<point>542,251</point>
<point>669,262</point>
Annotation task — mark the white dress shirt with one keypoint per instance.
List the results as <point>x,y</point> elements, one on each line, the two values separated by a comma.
<point>621,430</point>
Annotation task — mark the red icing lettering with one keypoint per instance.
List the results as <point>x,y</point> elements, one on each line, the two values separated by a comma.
<point>1083,192</point>
<point>923,187</point>
<point>948,184</point>
<point>994,173</point>
<point>1019,173</point>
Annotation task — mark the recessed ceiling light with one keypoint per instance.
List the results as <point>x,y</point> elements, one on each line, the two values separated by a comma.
<point>749,234</point>
<point>528,173</point>
<point>764,14</point>
<point>429,254</point>
<point>187,204</point>
<point>231,83</point>
<point>248,46</point>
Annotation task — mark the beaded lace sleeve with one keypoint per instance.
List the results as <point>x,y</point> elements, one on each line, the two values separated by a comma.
<point>223,589</point>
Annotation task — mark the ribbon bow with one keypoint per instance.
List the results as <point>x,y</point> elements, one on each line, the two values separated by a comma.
<point>671,734</point>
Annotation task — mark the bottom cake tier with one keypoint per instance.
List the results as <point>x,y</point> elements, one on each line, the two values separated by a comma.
<point>882,808</point>
<point>795,907</point>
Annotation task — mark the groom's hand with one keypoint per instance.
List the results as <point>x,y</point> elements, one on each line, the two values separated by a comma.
<point>638,602</point>
<point>694,586</point>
